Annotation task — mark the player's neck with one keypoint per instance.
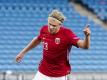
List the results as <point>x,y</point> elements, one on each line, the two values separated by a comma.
<point>55,32</point>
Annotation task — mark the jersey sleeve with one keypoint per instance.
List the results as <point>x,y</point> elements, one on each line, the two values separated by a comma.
<point>40,34</point>
<point>73,38</point>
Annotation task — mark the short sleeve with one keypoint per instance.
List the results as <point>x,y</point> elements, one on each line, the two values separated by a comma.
<point>40,34</point>
<point>73,38</point>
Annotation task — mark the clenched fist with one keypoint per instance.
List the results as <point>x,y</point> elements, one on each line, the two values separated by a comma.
<point>19,57</point>
<point>87,31</point>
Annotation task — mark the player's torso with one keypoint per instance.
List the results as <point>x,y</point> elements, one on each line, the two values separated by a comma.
<point>55,53</point>
<point>55,45</point>
<point>52,42</point>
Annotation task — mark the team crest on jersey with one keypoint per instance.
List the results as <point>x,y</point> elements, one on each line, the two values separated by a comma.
<point>57,40</point>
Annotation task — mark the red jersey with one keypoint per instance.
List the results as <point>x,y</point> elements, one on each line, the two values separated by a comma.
<point>56,48</point>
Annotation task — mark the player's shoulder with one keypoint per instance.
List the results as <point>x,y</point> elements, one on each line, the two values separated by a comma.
<point>66,29</point>
<point>44,27</point>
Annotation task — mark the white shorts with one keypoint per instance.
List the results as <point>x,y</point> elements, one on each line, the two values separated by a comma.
<point>40,76</point>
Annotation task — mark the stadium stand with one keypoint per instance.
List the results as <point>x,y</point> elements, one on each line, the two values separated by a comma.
<point>20,22</point>
<point>98,6</point>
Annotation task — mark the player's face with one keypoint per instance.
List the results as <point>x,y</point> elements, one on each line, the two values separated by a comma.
<point>53,25</point>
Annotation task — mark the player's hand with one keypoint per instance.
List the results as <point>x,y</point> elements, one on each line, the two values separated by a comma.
<point>19,57</point>
<point>86,30</point>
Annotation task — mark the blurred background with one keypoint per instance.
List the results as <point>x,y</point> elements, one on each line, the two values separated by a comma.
<point>21,20</point>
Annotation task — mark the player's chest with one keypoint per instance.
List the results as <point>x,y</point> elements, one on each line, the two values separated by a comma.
<point>55,41</point>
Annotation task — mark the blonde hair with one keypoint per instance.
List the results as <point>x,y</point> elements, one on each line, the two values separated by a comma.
<point>57,15</point>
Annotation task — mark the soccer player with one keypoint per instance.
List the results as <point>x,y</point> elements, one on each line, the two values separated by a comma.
<point>57,42</point>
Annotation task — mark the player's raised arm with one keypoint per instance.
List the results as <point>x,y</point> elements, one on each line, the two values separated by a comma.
<point>31,45</point>
<point>85,44</point>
